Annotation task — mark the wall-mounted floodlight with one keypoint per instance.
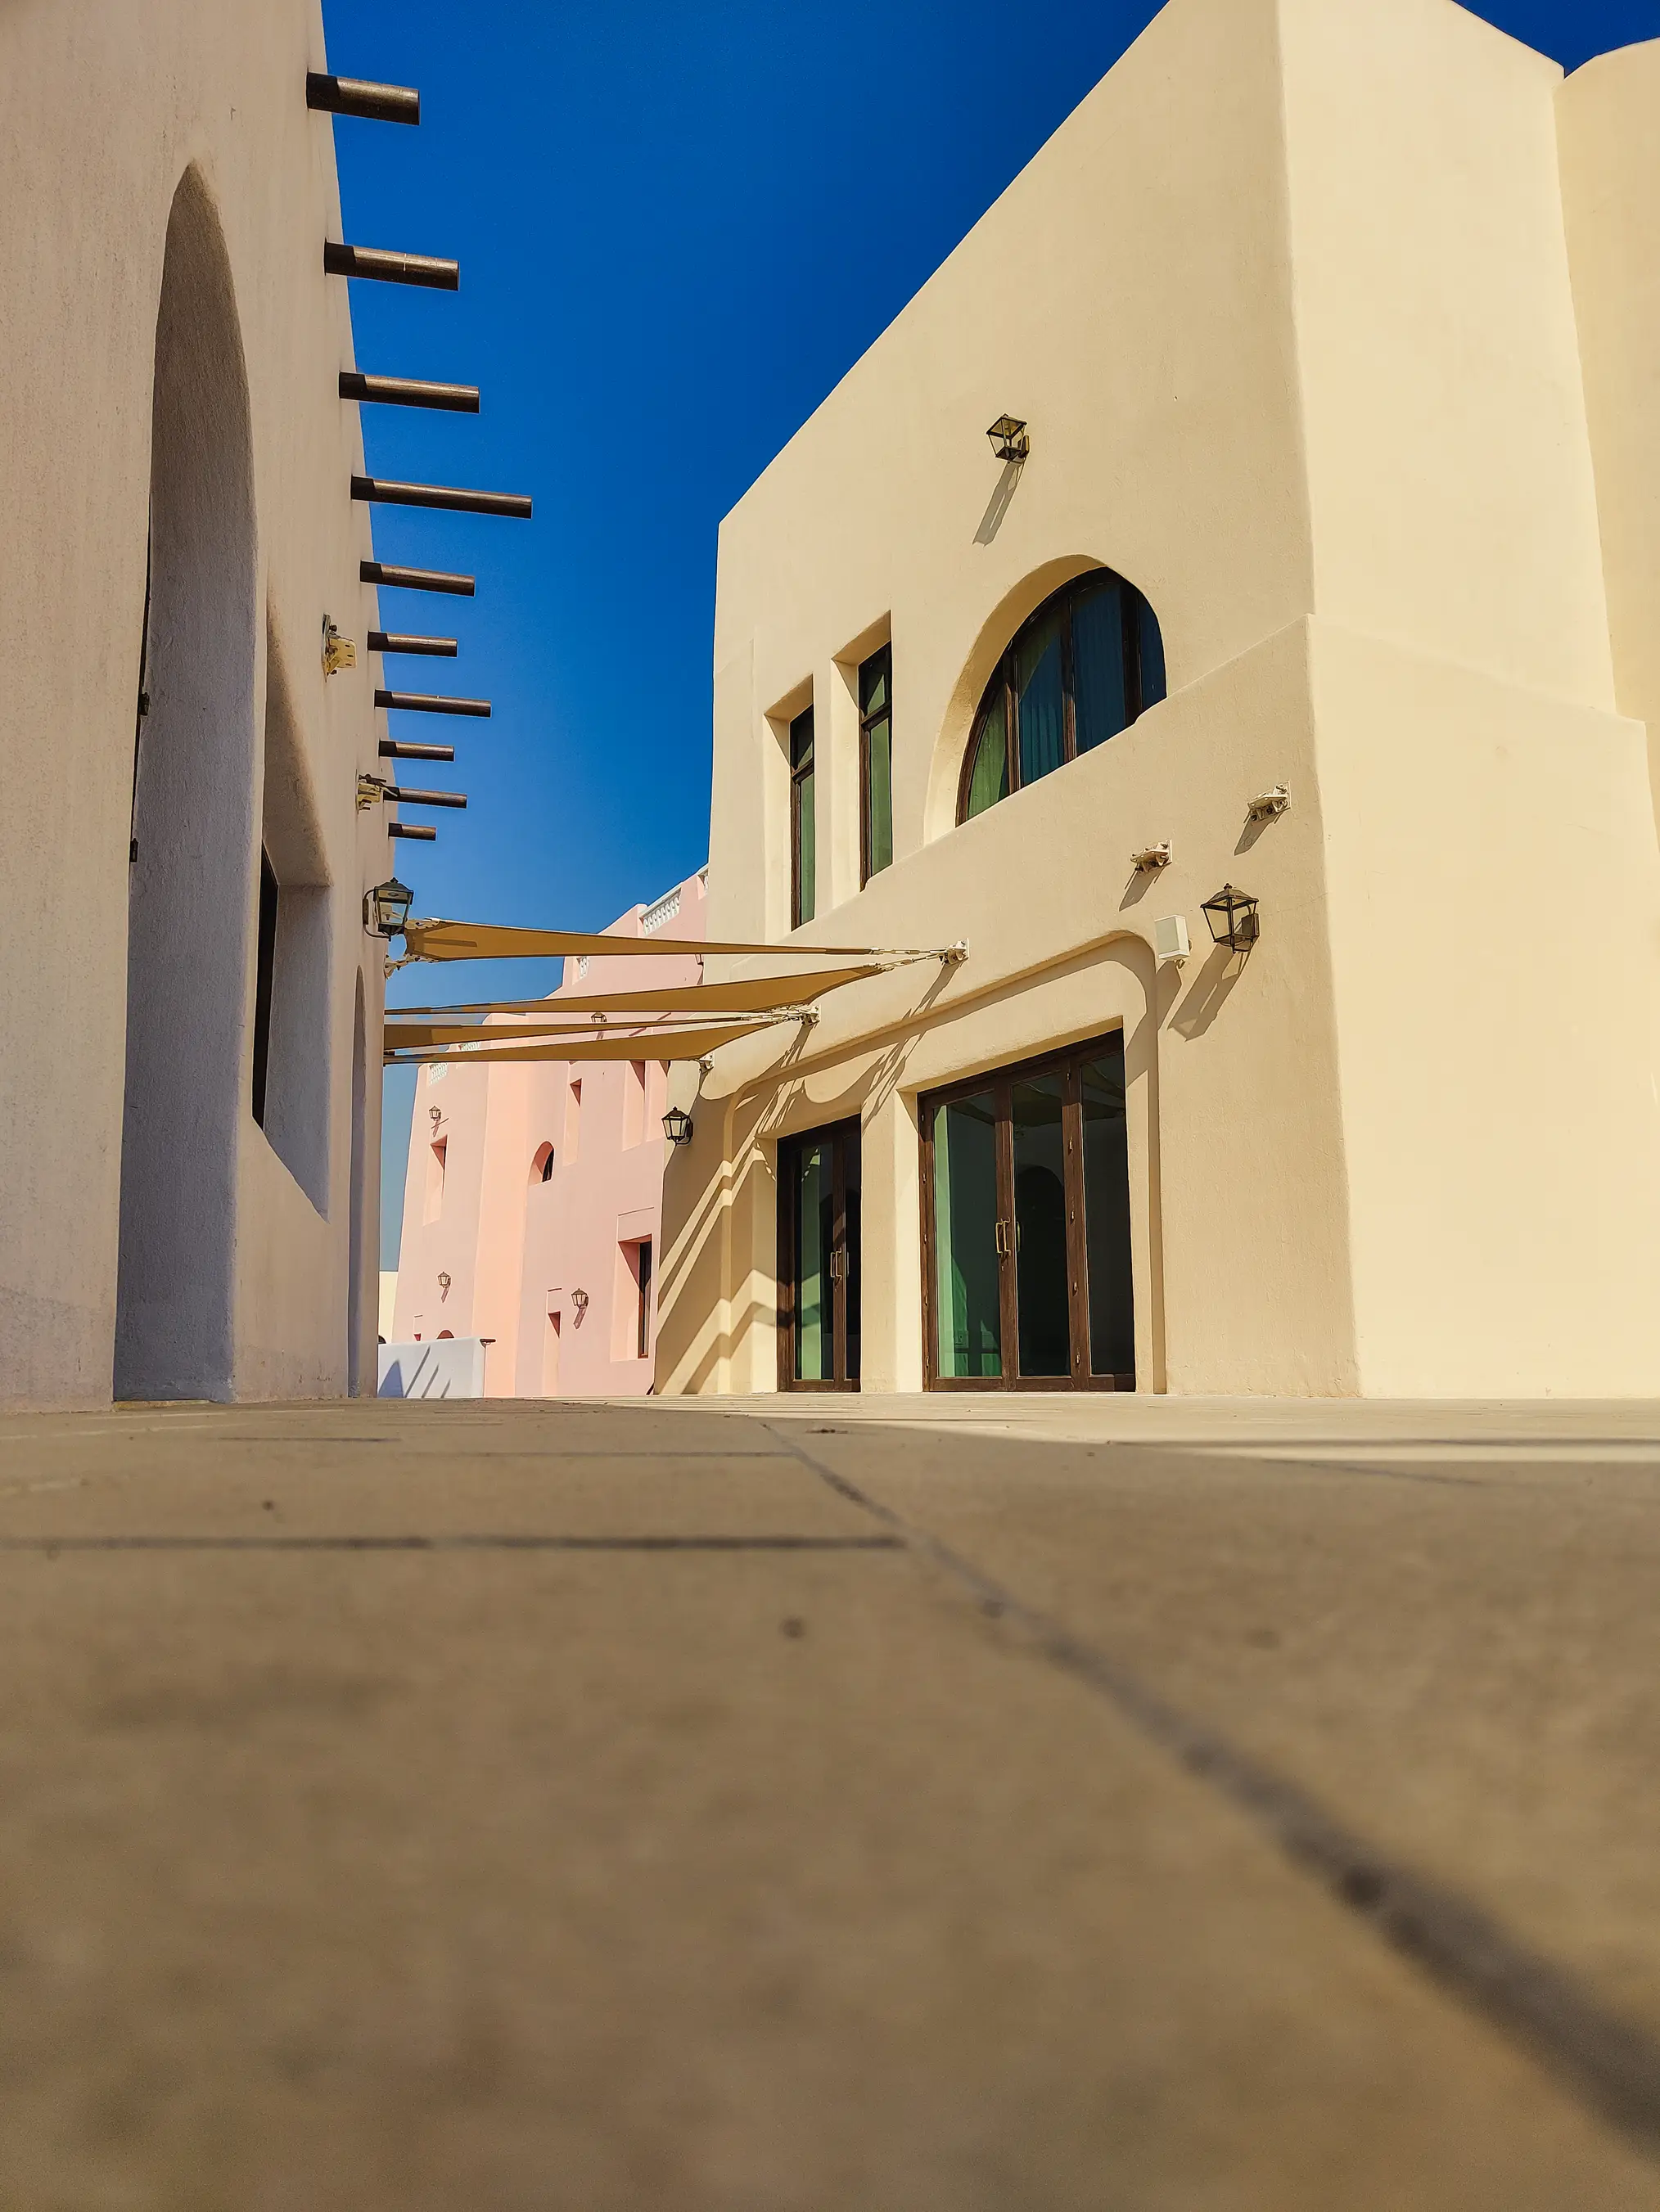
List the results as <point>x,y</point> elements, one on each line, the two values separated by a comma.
<point>1009,438</point>
<point>677,1125</point>
<point>1152,858</point>
<point>1268,804</point>
<point>1233,919</point>
<point>338,652</point>
<point>387,907</point>
<point>1170,938</point>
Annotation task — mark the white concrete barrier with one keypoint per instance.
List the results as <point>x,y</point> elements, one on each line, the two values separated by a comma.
<point>442,1367</point>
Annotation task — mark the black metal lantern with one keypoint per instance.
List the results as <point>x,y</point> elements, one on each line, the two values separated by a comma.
<point>387,907</point>
<point>1009,438</point>
<point>677,1125</point>
<point>1233,918</point>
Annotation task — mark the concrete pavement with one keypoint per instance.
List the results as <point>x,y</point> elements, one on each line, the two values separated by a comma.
<point>789,1806</point>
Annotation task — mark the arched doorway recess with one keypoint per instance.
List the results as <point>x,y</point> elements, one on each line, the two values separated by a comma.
<point>190,886</point>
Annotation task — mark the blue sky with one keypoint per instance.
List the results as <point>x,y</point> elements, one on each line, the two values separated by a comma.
<point>677,226</point>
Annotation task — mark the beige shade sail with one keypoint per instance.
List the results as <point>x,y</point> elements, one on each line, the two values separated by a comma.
<point>750,994</point>
<point>490,940</point>
<point>681,1044</point>
<point>401,1035</point>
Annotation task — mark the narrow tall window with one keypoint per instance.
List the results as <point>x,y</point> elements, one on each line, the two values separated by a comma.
<point>263,980</point>
<point>803,827</point>
<point>642,1346</point>
<point>876,763</point>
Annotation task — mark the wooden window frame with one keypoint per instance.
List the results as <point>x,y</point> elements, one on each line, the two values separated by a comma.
<point>1003,681</point>
<point>802,773</point>
<point>1068,1061</point>
<point>867,722</point>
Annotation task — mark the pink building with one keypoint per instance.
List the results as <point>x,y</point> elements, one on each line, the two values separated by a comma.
<point>533,1202</point>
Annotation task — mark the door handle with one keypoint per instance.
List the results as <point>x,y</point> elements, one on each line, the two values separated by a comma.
<point>1003,1247</point>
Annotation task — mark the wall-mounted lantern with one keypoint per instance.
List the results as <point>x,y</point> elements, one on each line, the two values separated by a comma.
<point>677,1125</point>
<point>579,1300</point>
<point>387,907</point>
<point>443,1284</point>
<point>1009,438</point>
<point>1233,918</point>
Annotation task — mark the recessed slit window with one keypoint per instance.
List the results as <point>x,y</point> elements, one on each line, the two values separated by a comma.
<point>876,763</point>
<point>803,823</point>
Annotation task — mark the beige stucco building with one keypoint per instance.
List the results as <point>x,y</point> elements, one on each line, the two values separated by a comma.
<point>189,1104</point>
<point>1335,325</point>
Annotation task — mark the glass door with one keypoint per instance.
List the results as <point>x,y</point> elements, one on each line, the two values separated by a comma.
<point>1027,1277</point>
<point>818,1260</point>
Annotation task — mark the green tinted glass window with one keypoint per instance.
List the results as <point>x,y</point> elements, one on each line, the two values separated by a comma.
<point>876,762</point>
<point>1076,673</point>
<point>967,1292</point>
<point>989,780</point>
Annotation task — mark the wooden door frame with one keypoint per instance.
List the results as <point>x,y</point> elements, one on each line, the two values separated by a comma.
<point>839,1135</point>
<point>1000,1082</point>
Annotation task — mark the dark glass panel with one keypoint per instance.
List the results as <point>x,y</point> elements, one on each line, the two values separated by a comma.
<point>873,683</point>
<point>1106,1217</point>
<point>1040,1227</point>
<point>801,741</point>
<point>1098,661</point>
<point>966,1270</point>
<point>1039,707</point>
<point>850,1169</point>
<point>989,780</point>
<point>878,793</point>
<point>1150,644</point>
<point>814,1201</point>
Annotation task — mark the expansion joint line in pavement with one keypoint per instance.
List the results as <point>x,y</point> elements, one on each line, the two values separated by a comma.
<point>1611,2063</point>
<point>52,1545</point>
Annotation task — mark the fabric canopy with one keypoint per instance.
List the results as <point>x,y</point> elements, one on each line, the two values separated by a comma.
<point>488,940</point>
<point>750,994</point>
<point>400,1034</point>
<point>681,1044</point>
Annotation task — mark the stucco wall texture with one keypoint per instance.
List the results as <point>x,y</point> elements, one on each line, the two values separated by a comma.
<point>532,1190</point>
<point>167,196</point>
<point>1335,325</point>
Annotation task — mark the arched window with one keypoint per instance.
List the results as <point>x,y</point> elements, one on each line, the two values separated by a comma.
<point>541,1166</point>
<point>1076,673</point>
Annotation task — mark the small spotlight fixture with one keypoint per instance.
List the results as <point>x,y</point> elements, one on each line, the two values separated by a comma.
<point>387,907</point>
<point>677,1125</point>
<point>1009,438</point>
<point>338,652</point>
<point>1233,919</point>
<point>1268,804</point>
<point>1154,857</point>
